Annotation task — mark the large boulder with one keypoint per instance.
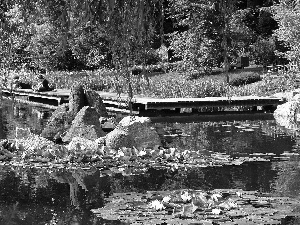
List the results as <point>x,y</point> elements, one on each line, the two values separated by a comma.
<point>108,124</point>
<point>59,122</point>
<point>133,131</point>
<point>76,99</point>
<point>93,99</point>
<point>288,114</point>
<point>63,116</point>
<point>119,138</point>
<point>85,125</point>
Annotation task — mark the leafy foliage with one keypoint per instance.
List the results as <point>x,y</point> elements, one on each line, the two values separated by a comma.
<point>245,79</point>
<point>78,34</point>
<point>263,51</point>
<point>198,44</point>
<point>212,34</point>
<point>286,13</point>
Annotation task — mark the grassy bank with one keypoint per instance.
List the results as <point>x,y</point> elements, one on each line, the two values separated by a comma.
<point>172,84</point>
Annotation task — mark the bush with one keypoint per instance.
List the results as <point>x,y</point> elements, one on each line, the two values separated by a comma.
<point>245,78</point>
<point>265,87</point>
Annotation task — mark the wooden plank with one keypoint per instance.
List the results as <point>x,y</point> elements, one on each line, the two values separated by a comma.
<point>38,104</point>
<point>198,104</point>
<point>115,103</point>
<point>148,103</point>
<point>28,92</point>
<point>125,111</point>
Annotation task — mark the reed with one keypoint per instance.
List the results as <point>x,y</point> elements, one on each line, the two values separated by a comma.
<point>169,85</point>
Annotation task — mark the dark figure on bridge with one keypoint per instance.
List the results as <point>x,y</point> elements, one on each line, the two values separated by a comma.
<point>17,84</point>
<point>42,84</point>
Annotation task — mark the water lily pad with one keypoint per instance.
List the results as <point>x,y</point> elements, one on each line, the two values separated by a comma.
<point>127,207</point>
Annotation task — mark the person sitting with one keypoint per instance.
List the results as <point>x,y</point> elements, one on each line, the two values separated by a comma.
<point>42,85</point>
<point>17,84</point>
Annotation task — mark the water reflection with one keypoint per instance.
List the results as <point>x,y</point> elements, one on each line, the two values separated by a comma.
<point>14,114</point>
<point>31,195</point>
<point>287,182</point>
<point>41,195</point>
<point>237,138</point>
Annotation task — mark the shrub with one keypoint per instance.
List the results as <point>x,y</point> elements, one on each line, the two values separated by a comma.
<point>264,87</point>
<point>245,78</point>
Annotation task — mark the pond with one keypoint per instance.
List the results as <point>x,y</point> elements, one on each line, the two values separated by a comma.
<point>43,194</point>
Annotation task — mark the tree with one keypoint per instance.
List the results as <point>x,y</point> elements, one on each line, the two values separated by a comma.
<point>14,33</point>
<point>287,14</point>
<point>226,8</point>
<point>207,38</point>
<point>59,30</point>
<point>263,51</point>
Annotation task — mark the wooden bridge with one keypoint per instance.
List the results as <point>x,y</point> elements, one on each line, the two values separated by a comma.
<point>146,106</point>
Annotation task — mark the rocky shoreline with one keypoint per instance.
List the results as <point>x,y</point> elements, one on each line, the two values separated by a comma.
<point>288,114</point>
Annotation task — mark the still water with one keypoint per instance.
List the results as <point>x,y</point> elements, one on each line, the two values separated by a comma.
<point>43,195</point>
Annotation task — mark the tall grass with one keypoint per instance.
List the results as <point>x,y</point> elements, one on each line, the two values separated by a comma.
<point>170,85</point>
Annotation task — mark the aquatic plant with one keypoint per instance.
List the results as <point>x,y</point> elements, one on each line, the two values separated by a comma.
<point>30,147</point>
<point>231,206</point>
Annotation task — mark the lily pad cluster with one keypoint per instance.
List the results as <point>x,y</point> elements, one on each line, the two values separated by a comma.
<point>217,207</point>
<point>38,149</point>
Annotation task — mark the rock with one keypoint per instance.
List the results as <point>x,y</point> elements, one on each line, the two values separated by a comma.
<point>119,138</point>
<point>62,118</point>
<point>59,122</point>
<point>108,124</point>
<point>288,114</point>
<point>296,97</point>
<point>140,128</point>
<point>85,125</point>
<point>93,99</point>
<point>287,95</point>
<point>76,99</point>
<point>133,131</point>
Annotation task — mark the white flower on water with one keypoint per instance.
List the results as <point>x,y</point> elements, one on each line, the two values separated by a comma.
<point>157,205</point>
<point>166,199</point>
<point>216,211</point>
<point>215,197</point>
<point>142,153</point>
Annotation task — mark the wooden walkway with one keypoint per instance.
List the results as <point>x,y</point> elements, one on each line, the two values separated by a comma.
<point>145,105</point>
